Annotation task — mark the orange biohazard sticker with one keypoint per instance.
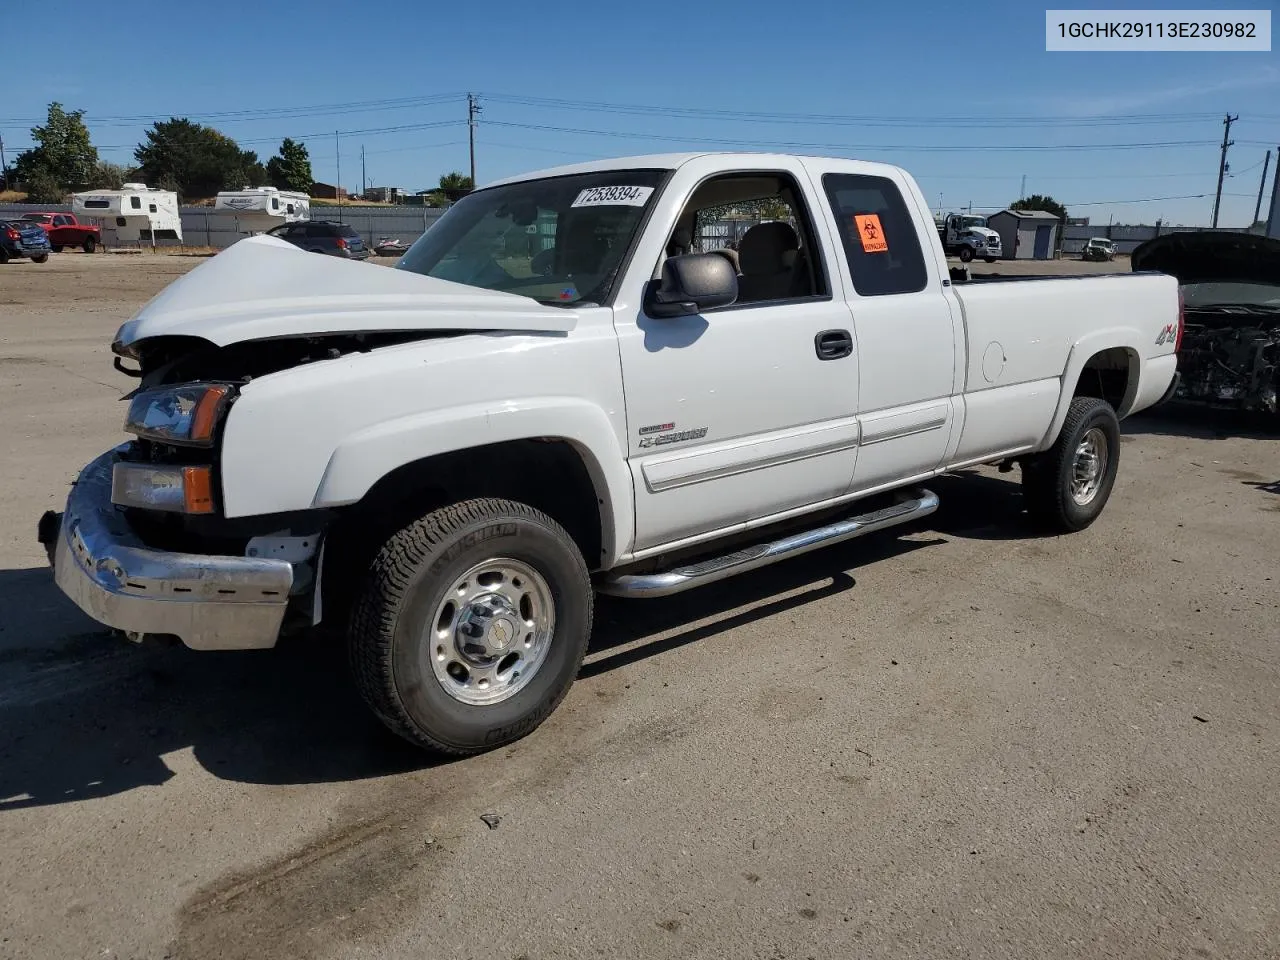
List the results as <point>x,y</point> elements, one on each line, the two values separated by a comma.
<point>871,233</point>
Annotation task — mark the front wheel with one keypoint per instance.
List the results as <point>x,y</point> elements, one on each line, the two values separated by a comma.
<point>472,625</point>
<point>40,258</point>
<point>1066,486</point>
<point>989,259</point>
<point>90,244</point>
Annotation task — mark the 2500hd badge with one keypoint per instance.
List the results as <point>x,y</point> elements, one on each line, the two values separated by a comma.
<point>697,433</point>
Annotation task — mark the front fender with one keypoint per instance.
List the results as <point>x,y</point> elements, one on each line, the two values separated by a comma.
<point>1082,350</point>
<point>366,456</point>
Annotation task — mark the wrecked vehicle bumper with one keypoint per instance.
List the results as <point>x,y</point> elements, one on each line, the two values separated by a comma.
<point>210,602</point>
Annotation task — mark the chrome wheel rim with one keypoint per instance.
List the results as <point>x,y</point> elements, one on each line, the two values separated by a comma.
<point>1089,466</point>
<point>491,631</point>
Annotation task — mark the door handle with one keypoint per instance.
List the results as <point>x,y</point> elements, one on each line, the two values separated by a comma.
<point>833,344</point>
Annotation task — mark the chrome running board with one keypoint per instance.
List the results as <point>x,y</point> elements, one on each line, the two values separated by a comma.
<point>679,579</point>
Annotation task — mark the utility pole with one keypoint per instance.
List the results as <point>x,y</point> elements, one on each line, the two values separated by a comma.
<point>364,180</point>
<point>4,167</point>
<point>1222,164</point>
<point>1273,228</point>
<point>473,108</point>
<point>1022,190</point>
<point>1262,185</point>
<point>337,187</point>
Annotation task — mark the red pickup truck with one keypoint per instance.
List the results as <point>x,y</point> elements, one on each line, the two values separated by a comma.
<point>65,230</point>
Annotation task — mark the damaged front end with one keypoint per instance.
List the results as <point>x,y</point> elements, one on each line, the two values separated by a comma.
<point>1230,284</point>
<point>143,545</point>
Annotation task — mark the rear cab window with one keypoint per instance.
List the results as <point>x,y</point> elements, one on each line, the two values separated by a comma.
<point>880,240</point>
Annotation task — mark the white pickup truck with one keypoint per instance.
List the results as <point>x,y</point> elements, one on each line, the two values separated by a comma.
<point>565,386</point>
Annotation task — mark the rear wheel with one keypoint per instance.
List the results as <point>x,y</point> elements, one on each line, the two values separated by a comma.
<point>90,244</point>
<point>56,248</point>
<point>4,255</point>
<point>472,625</point>
<point>1067,486</point>
<point>40,258</point>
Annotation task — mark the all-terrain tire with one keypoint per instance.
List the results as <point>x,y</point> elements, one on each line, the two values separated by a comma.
<point>1056,495</point>
<point>90,244</point>
<point>40,258</point>
<point>392,633</point>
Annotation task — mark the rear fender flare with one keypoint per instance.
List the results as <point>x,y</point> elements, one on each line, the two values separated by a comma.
<point>1081,351</point>
<point>363,458</point>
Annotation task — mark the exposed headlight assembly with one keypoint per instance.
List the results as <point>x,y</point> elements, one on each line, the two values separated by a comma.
<point>185,415</point>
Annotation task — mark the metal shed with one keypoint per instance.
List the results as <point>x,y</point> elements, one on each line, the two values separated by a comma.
<point>1026,234</point>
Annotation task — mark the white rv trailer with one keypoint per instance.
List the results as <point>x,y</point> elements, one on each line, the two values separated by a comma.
<point>131,215</point>
<point>258,209</point>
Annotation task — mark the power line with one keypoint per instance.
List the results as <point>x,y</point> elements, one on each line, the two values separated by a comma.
<point>262,113</point>
<point>850,146</point>
<point>844,119</point>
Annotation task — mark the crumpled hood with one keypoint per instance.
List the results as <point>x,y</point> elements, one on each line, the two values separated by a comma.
<point>1210,257</point>
<point>262,288</point>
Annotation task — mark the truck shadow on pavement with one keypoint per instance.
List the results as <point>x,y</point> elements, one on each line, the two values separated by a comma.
<point>84,714</point>
<point>1175,419</point>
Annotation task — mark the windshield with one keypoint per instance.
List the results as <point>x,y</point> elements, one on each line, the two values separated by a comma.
<point>1231,292</point>
<point>967,222</point>
<point>558,241</point>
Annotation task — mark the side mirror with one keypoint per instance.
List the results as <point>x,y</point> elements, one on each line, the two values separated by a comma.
<point>690,284</point>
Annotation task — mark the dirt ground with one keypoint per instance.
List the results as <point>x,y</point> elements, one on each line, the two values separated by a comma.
<point>963,740</point>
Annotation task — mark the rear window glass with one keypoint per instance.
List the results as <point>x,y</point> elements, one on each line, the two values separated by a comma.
<point>347,230</point>
<point>879,237</point>
<point>97,204</point>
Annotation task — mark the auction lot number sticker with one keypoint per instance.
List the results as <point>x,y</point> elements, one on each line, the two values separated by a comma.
<point>613,197</point>
<point>1186,31</point>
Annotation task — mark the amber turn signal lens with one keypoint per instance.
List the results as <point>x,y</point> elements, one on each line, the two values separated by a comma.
<point>197,489</point>
<point>206,415</point>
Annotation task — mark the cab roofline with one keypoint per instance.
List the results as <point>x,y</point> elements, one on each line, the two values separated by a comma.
<point>664,161</point>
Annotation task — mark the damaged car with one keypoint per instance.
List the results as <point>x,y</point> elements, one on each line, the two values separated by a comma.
<point>1229,355</point>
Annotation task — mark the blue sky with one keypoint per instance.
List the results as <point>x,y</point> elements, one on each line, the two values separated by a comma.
<point>964,96</point>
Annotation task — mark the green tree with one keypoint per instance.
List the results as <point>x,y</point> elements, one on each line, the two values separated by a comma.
<point>108,176</point>
<point>63,152</point>
<point>42,187</point>
<point>290,169</point>
<point>1040,202</point>
<point>198,159</point>
<point>453,186</point>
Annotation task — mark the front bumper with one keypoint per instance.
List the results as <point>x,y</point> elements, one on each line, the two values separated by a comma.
<point>210,602</point>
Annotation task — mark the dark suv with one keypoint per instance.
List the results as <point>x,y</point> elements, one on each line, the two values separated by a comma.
<point>324,236</point>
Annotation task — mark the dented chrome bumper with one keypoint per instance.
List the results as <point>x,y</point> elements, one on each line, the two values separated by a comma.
<point>210,602</point>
